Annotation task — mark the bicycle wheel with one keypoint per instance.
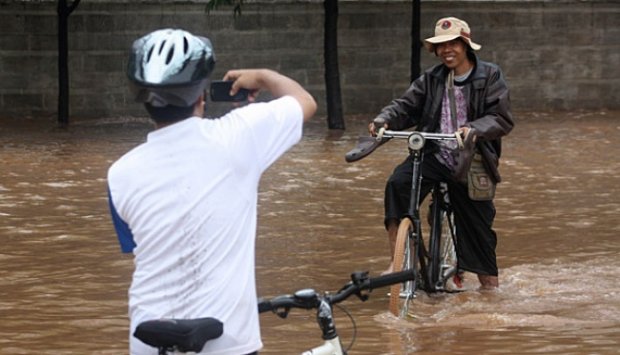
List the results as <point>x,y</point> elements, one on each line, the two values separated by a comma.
<point>405,257</point>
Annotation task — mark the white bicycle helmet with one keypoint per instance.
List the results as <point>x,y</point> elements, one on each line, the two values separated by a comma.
<point>170,67</point>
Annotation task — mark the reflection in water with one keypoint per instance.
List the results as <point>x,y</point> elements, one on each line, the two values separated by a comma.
<point>64,282</point>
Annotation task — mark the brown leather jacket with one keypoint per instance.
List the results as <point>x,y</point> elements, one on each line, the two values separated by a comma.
<point>488,111</point>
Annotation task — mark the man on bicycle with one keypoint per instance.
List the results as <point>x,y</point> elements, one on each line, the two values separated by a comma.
<point>184,202</point>
<point>464,94</point>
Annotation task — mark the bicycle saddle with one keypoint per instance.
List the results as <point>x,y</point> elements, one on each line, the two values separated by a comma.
<point>365,145</point>
<point>184,335</point>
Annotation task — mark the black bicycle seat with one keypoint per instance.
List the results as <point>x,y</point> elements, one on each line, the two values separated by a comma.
<point>184,335</point>
<point>365,145</point>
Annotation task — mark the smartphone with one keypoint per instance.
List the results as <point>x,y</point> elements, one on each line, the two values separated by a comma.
<point>220,91</point>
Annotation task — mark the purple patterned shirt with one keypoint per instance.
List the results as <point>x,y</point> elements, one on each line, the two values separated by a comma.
<point>446,126</point>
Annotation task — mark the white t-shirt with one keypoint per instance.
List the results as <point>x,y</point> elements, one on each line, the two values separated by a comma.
<point>189,197</point>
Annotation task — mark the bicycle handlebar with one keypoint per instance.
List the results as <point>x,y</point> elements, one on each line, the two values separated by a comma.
<point>310,299</point>
<point>383,133</point>
<point>416,139</point>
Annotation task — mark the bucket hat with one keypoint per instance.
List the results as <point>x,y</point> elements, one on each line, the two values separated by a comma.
<point>449,28</point>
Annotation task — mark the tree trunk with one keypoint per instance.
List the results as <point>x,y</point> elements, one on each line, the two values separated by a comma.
<point>416,43</point>
<point>63,60</point>
<point>335,119</point>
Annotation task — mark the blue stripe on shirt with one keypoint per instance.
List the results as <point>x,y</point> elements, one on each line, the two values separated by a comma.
<point>125,237</point>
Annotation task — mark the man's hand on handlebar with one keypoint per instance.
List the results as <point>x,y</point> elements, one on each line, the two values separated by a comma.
<point>465,131</point>
<point>375,125</point>
<point>465,137</point>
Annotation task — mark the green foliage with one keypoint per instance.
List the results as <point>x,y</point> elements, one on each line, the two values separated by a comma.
<point>214,4</point>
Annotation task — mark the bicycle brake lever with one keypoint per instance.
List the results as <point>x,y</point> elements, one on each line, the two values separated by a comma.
<point>360,279</point>
<point>459,140</point>
<point>362,296</point>
<point>380,134</point>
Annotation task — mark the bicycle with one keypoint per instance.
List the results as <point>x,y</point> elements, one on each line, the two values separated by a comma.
<point>435,263</point>
<point>190,335</point>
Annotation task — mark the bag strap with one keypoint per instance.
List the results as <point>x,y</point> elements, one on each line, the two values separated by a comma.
<point>452,99</point>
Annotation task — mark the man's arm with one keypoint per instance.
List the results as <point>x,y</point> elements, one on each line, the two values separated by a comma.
<point>496,120</point>
<point>278,85</point>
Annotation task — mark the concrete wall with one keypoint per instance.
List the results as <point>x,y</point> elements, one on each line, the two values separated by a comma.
<point>557,55</point>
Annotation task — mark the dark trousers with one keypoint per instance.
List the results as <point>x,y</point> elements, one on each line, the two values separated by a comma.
<point>476,239</point>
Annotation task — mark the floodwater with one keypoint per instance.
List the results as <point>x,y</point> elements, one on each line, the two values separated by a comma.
<point>63,280</point>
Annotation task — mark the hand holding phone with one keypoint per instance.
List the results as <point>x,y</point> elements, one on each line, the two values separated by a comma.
<point>220,92</point>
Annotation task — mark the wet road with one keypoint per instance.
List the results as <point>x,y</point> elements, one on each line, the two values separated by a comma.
<point>63,283</point>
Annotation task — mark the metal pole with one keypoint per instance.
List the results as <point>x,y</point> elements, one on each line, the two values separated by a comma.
<point>416,43</point>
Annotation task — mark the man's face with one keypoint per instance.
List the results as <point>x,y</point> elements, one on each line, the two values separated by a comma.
<point>454,55</point>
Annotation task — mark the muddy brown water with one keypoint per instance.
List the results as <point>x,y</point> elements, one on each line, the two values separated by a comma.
<point>63,280</point>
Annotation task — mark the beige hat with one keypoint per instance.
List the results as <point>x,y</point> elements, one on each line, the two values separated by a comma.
<point>447,29</point>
